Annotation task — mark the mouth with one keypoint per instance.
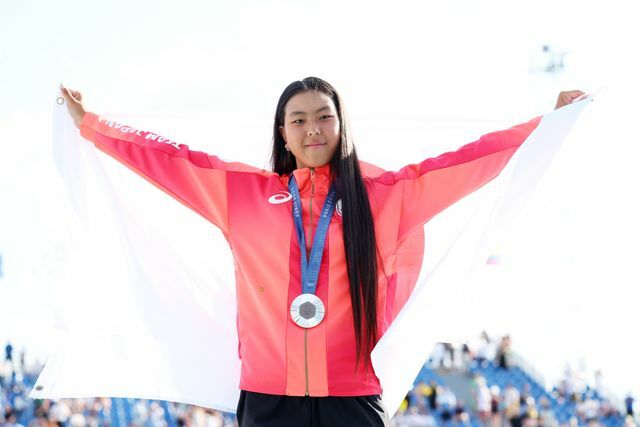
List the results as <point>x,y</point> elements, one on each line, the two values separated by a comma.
<point>316,144</point>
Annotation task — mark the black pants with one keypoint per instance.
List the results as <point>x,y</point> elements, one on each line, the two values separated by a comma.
<point>268,410</point>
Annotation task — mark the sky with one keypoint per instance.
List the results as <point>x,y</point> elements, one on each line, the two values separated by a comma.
<point>418,78</point>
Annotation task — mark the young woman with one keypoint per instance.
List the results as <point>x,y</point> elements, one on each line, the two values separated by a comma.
<point>315,244</point>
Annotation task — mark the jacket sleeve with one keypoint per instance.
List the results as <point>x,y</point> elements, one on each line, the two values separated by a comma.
<point>432,185</point>
<point>194,178</point>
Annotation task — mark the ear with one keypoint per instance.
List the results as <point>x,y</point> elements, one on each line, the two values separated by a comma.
<point>282,133</point>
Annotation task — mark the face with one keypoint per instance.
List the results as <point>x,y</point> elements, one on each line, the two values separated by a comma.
<point>311,128</point>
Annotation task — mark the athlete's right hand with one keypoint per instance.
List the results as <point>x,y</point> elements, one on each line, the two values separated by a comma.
<point>73,99</point>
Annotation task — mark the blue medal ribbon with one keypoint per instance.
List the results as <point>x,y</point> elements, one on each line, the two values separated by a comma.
<point>311,269</point>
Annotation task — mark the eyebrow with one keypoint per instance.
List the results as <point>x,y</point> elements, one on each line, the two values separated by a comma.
<point>302,113</point>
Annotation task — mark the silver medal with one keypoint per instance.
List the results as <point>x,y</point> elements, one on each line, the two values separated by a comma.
<point>307,310</point>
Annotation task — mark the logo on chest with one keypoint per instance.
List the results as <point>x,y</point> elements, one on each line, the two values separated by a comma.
<point>280,197</point>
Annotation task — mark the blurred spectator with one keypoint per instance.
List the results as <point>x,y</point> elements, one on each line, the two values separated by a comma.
<point>446,402</point>
<point>496,417</point>
<point>415,418</point>
<point>448,358</point>
<point>433,396</point>
<point>483,399</point>
<point>214,419</point>
<point>139,412</point>
<point>77,420</point>
<point>22,365</point>
<point>461,416</point>
<point>197,417</point>
<point>608,411</point>
<point>628,403</point>
<point>590,409</point>
<point>573,385</point>
<point>157,415</point>
<point>404,405</point>
<point>484,350</point>
<point>525,393</point>
<point>599,386</point>
<point>511,402</point>
<point>529,415</point>
<point>437,355</point>
<point>11,420</point>
<point>60,412</point>
<point>8,349</point>
<point>547,416</point>
<point>466,356</point>
<point>422,391</point>
<point>39,422</point>
<point>504,352</point>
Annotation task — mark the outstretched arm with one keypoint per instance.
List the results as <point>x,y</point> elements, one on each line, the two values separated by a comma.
<point>196,179</point>
<point>436,183</point>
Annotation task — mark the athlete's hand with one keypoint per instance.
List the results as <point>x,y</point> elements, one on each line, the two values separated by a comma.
<point>73,99</point>
<point>566,98</point>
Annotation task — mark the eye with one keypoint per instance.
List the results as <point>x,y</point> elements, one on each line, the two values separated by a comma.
<point>297,122</point>
<point>326,116</point>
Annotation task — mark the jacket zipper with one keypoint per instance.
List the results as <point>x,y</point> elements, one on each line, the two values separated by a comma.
<point>306,362</point>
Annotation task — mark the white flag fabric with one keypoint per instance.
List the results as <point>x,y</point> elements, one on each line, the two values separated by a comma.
<point>149,308</point>
<point>483,219</point>
<point>149,302</point>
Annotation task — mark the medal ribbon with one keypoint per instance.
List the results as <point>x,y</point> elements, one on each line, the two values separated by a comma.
<point>311,269</point>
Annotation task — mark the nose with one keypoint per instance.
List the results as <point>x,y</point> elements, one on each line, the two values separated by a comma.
<point>313,131</point>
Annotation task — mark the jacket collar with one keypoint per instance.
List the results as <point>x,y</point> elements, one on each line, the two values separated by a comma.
<point>304,177</point>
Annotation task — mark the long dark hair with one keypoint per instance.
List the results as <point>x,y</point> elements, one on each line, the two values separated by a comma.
<point>357,220</point>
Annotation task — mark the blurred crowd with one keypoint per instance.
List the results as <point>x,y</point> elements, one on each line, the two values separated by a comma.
<point>18,410</point>
<point>431,403</point>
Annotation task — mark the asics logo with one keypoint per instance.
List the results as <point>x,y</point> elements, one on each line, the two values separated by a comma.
<point>280,197</point>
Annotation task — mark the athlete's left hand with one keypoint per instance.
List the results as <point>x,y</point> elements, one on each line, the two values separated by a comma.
<point>566,98</point>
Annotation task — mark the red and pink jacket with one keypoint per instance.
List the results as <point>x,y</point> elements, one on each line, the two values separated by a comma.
<point>252,207</point>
